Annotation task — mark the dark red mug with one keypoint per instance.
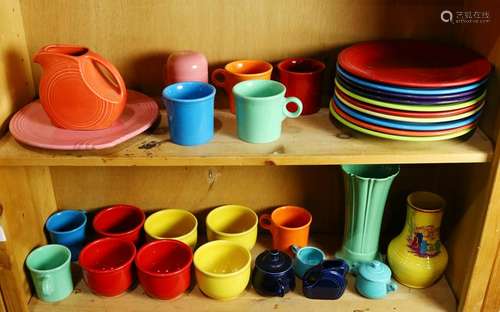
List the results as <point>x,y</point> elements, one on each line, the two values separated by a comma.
<point>164,268</point>
<point>120,221</point>
<point>302,78</point>
<point>107,266</point>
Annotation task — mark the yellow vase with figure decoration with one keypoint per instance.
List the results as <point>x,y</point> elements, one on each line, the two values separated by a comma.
<point>416,256</point>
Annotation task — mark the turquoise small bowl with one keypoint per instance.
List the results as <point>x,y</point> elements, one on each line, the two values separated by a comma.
<point>306,258</point>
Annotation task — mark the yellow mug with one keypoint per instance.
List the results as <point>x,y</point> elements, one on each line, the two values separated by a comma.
<point>222,269</point>
<point>234,223</point>
<point>176,224</point>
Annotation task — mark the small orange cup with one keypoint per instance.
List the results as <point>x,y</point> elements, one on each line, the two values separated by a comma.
<point>239,71</point>
<point>289,225</point>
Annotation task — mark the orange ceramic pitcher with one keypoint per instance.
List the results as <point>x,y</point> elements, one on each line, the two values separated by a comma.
<point>76,92</point>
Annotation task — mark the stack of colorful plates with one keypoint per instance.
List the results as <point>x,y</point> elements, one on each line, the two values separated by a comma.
<point>409,90</point>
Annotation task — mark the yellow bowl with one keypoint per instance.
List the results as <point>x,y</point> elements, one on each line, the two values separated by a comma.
<point>222,269</point>
<point>233,223</point>
<point>172,224</point>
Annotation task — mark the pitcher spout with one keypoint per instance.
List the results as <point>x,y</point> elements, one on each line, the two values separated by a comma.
<point>54,52</point>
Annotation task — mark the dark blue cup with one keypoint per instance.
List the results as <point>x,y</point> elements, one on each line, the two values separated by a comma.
<point>68,228</point>
<point>190,110</point>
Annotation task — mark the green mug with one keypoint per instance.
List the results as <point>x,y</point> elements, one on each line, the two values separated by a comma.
<point>261,107</point>
<point>50,270</point>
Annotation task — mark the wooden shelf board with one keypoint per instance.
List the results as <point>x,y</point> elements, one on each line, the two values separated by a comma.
<point>439,297</point>
<point>308,140</point>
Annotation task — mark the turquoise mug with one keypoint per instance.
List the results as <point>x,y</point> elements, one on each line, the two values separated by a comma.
<point>261,108</point>
<point>306,258</point>
<point>50,271</point>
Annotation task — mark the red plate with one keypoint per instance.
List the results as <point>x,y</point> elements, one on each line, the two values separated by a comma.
<point>395,131</point>
<point>396,112</point>
<point>414,63</point>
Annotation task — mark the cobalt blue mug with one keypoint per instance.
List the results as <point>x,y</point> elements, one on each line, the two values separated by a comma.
<point>190,110</point>
<point>68,228</point>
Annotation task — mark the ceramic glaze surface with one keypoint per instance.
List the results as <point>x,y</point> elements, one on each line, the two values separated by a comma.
<point>186,66</point>
<point>289,225</point>
<point>190,112</point>
<point>416,256</point>
<point>31,126</point>
<point>107,266</point>
<point>164,268</point>
<point>302,78</point>
<point>120,221</point>
<point>273,273</point>
<point>239,71</point>
<point>374,280</point>
<point>175,224</point>
<point>366,187</point>
<point>261,108</point>
<point>222,269</point>
<point>50,272</point>
<point>68,228</point>
<point>306,258</point>
<point>414,63</point>
<point>235,223</point>
<point>74,91</point>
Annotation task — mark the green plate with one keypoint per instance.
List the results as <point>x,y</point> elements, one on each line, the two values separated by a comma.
<point>397,137</point>
<point>415,108</point>
<point>410,119</point>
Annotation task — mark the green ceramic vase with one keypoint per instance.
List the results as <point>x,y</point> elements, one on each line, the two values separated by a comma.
<point>366,187</point>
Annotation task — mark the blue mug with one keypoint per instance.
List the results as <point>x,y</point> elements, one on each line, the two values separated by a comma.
<point>190,110</point>
<point>68,228</point>
<point>306,258</point>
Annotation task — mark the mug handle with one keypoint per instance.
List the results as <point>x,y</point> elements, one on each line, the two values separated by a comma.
<point>288,113</point>
<point>47,288</point>
<point>219,72</point>
<point>295,249</point>
<point>265,221</point>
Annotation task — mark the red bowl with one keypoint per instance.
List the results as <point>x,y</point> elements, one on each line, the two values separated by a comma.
<point>107,266</point>
<point>164,268</point>
<point>120,221</point>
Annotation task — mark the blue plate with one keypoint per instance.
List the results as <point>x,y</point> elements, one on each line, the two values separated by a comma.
<point>406,125</point>
<point>420,91</point>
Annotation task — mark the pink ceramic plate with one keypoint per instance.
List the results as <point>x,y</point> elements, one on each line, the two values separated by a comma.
<point>32,126</point>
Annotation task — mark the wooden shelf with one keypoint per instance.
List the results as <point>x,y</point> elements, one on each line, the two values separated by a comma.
<point>309,140</point>
<point>439,297</point>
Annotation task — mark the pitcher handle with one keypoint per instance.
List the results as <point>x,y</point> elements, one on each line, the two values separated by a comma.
<point>122,88</point>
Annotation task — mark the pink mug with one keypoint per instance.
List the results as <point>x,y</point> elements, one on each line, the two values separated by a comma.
<point>186,66</point>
